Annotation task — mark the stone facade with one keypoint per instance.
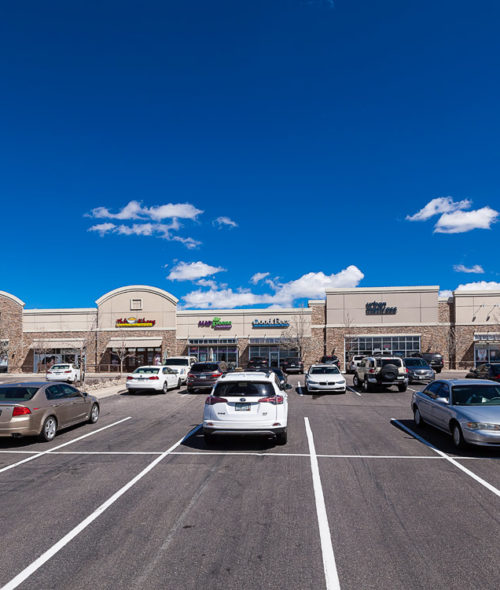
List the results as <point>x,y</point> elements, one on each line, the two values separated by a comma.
<point>11,330</point>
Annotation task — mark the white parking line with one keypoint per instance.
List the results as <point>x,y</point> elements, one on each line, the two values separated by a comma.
<point>354,391</point>
<point>37,564</point>
<point>331,575</point>
<point>480,480</point>
<point>60,446</point>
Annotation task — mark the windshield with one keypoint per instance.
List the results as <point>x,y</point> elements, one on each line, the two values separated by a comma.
<point>416,363</point>
<point>60,367</point>
<point>17,394</point>
<point>244,389</point>
<point>384,362</point>
<point>204,367</point>
<point>476,395</point>
<point>325,370</point>
<point>146,371</point>
<point>183,362</point>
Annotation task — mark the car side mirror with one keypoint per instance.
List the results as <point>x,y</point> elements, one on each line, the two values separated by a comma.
<point>84,393</point>
<point>442,400</point>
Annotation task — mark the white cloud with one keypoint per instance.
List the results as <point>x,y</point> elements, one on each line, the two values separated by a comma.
<point>437,206</point>
<point>479,286</point>
<point>463,221</point>
<point>453,219</point>
<point>149,221</point>
<point>477,268</point>
<point>258,276</point>
<point>311,286</point>
<point>446,293</point>
<point>103,228</point>
<point>190,271</point>
<point>224,222</point>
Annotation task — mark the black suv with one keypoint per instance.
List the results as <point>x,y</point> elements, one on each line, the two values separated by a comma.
<point>204,375</point>
<point>434,359</point>
<point>258,363</point>
<point>332,359</point>
<point>292,366</point>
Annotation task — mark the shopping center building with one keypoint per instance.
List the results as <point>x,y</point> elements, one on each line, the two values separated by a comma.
<point>136,325</point>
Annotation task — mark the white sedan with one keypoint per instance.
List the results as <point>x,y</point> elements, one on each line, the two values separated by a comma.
<point>156,378</point>
<point>325,378</point>
<point>63,372</point>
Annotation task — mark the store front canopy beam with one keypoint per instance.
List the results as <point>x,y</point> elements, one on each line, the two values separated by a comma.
<point>51,343</point>
<point>135,342</point>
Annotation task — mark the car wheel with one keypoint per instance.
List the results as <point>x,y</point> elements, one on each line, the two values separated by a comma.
<point>417,417</point>
<point>402,387</point>
<point>355,380</point>
<point>94,414</point>
<point>190,390</point>
<point>178,384</point>
<point>438,370</point>
<point>282,438</point>
<point>458,437</point>
<point>49,429</point>
<point>165,387</point>
<point>366,386</point>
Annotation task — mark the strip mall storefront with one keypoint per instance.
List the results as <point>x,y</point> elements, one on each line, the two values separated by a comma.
<point>138,324</point>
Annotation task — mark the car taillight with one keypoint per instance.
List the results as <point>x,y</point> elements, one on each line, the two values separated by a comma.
<point>155,378</point>
<point>277,399</point>
<point>371,370</point>
<point>211,400</point>
<point>216,374</point>
<point>67,371</point>
<point>406,369</point>
<point>129,377</point>
<point>21,411</point>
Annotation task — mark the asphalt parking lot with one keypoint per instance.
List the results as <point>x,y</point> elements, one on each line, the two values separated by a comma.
<point>353,501</point>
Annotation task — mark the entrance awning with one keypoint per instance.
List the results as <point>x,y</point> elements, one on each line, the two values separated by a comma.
<point>211,341</point>
<point>146,342</point>
<point>49,343</point>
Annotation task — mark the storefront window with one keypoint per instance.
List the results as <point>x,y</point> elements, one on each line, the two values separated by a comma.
<point>217,350</point>
<point>486,348</point>
<point>400,345</point>
<point>42,361</point>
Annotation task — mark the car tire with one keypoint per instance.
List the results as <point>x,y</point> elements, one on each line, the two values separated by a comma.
<point>281,438</point>
<point>355,380</point>
<point>457,436</point>
<point>164,389</point>
<point>367,386</point>
<point>94,414</point>
<point>178,384</point>
<point>438,370</point>
<point>190,390</point>
<point>49,429</point>
<point>131,391</point>
<point>402,388</point>
<point>417,417</point>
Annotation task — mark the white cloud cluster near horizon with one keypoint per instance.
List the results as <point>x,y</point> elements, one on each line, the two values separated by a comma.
<point>223,221</point>
<point>454,217</point>
<point>192,271</point>
<point>476,269</point>
<point>148,221</point>
<point>474,286</point>
<point>311,285</point>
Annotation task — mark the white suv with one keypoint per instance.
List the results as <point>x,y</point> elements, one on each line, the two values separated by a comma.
<point>180,364</point>
<point>63,372</point>
<point>247,403</point>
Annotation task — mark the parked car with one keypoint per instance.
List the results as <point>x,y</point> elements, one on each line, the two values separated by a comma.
<point>468,410</point>
<point>325,378</point>
<point>292,366</point>
<point>180,364</point>
<point>41,409</point>
<point>282,376</point>
<point>489,371</point>
<point>330,360</point>
<point>204,375</point>
<point>355,362</point>
<point>249,403</point>
<point>435,359</point>
<point>258,362</point>
<point>154,378</point>
<point>418,370</point>
<point>63,372</point>
<point>381,371</point>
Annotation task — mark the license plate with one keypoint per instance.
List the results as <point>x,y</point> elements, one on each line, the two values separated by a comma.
<point>203,376</point>
<point>242,407</point>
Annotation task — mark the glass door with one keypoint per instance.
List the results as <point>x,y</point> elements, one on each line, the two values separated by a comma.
<point>274,358</point>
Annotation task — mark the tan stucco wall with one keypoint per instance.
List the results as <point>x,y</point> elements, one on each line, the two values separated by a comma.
<point>477,308</point>
<point>58,320</point>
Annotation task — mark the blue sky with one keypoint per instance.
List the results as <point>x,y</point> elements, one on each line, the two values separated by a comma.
<point>250,153</point>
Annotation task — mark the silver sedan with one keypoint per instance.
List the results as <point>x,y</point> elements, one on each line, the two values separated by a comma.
<point>468,410</point>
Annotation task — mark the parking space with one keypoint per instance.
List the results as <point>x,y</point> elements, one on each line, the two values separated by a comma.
<point>139,505</point>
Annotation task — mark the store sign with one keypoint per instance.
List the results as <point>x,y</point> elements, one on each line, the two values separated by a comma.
<point>380,308</point>
<point>274,323</point>
<point>134,323</point>
<point>216,324</point>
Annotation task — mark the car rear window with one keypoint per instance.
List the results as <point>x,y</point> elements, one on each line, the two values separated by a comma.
<point>147,371</point>
<point>17,394</point>
<point>384,362</point>
<point>416,362</point>
<point>204,367</point>
<point>60,367</point>
<point>244,389</point>
<point>181,362</point>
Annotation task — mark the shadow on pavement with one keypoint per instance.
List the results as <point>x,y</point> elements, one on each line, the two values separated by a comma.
<point>229,443</point>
